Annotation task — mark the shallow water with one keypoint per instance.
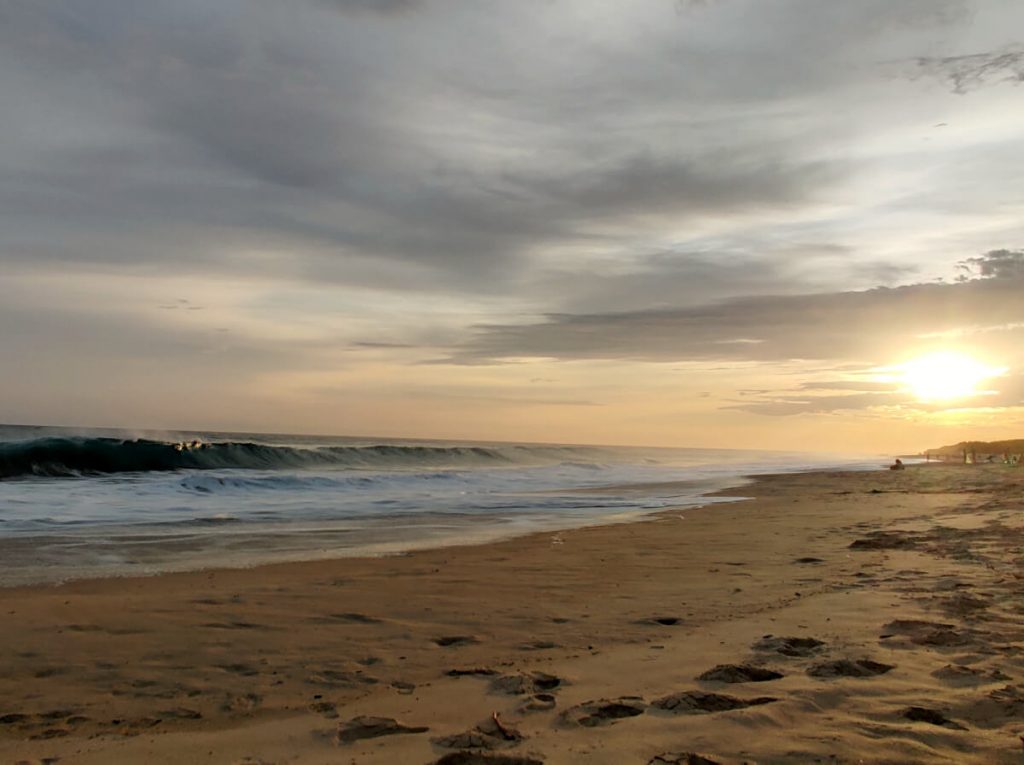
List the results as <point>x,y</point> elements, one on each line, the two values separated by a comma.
<point>77,503</point>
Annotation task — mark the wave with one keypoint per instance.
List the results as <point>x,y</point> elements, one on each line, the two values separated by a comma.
<point>78,456</point>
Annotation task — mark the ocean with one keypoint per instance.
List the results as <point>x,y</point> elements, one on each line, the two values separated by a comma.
<point>82,503</point>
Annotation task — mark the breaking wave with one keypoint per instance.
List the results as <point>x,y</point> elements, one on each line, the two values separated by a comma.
<point>78,456</point>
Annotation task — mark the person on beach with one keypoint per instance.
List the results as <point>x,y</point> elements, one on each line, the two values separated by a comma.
<point>897,465</point>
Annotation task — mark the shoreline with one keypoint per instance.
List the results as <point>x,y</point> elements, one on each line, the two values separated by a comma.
<point>29,546</point>
<point>260,664</point>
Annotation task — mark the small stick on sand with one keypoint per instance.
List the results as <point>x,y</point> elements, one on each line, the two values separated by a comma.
<point>507,734</point>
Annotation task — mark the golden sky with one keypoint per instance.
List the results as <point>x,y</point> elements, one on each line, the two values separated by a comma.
<point>786,224</point>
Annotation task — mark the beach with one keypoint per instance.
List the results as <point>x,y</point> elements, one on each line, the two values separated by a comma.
<point>834,617</point>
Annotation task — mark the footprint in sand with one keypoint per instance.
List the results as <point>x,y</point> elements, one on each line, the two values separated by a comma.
<point>50,733</point>
<point>996,709</point>
<point>921,632</point>
<point>522,683</point>
<point>603,711</point>
<point>538,702</point>
<point>662,621</point>
<point>789,646</point>
<point>848,668</point>
<point>181,713</point>
<point>238,669</point>
<point>959,675</point>
<point>884,540</point>
<point>471,672</point>
<point>450,641</point>
<point>487,735</point>
<point>683,758</point>
<point>333,678</point>
<point>739,673</point>
<point>324,708</point>
<point>247,702</point>
<point>365,726</point>
<point>538,645</point>
<point>477,758</point>
<point>697,702</point>
<point>346,618</point>
<point>930,716</point>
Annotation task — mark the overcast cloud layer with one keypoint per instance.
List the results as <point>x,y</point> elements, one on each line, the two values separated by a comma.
<point>305,197</point>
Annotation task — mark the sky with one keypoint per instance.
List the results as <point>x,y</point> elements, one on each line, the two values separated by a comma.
<point>757,223</point>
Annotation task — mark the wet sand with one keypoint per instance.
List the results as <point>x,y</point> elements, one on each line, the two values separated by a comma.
<point>834,617</point>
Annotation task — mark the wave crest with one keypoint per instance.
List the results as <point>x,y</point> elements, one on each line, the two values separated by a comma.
<point>60,457</point>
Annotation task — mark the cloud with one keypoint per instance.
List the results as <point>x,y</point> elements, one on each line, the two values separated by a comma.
<point>384,7</point>
<point>976,70</point>
<point>996,264</point>
<point>863,325</point>
<point>782,406</point>
<point>1000,393</point>
<point>389,179</point>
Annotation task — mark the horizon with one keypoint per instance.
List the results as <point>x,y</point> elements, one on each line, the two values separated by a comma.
<point>144,432</point>
<point>676,222</point>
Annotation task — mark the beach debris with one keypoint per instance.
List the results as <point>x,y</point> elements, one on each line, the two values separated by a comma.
<point>490,734</point>
<point>698,702</point>
<point>739,673</point>
<point>478,758</point>
<point>12,718</point>
<point>538,702</point>
<point>848,668</point>
<point>366,726</point>
<point>809,560</point>
<point>603,711</point>
<point>507,733</point>
<point>449,641</point>
<point>522,683</point>
<point>403,687</point>
<point>682,758</point>
<point>789,646</point>
<point>930,716</point>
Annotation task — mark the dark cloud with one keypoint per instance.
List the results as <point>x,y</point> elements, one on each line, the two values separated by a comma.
<point>495,150</point>
<point>864,325</point>
<point>996,264</point>
<point>973,71</point>
<point>205,133</point>
<point>374,6</point>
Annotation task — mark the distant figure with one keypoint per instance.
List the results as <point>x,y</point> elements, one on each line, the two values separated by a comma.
<point>897,465</point>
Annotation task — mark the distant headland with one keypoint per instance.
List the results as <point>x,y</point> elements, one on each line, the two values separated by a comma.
<point>1011,451</point>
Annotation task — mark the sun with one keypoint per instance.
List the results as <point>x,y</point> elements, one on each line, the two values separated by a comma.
<point>944,376</point>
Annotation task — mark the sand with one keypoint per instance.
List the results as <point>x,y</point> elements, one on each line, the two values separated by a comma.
<point>834,617</point>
